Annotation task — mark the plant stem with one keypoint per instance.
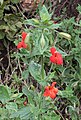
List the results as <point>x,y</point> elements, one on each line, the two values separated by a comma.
<point>42,67</point>
<point>19,66</point>
<point>50,69</point>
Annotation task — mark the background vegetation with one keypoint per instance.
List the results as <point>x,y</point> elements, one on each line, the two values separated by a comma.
<point>20,88</point>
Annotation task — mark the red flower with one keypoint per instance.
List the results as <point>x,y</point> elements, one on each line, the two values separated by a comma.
<point>22,44</point>
<point>56,57</point>
<point>52,50</point>
<point>50,91</point>
<point>53,59</point>
<point>24,34</point>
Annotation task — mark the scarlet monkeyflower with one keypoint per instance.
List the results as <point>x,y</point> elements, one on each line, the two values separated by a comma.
<point>56,57</point>
<point>22,44</point>
<point>50,91</point>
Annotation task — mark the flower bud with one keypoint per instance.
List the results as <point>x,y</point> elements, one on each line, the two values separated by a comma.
<point>65,35</point>
<point>42,41</point>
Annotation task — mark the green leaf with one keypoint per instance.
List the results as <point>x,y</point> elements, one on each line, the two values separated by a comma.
<point>1,34</point>
<point>60,51</point>
<point>68,93</point>
<point>54,26</point>
<point>28,94</point>
<point>35,70</point>
<point>16,96</point>
<point>4,27</point>
<point>35,51</point>
<point>25,74</point>
<point>15,1</point>
<point>51,116</point>
<point>55,117</point>
<point>73,112</point>
<point>50,76</point>
<point>36,21</point>
<point>1,13</point>
<point>30,22</point>
<point>45,16</point>
<point>19,24</point>
<point>79,9</point>
<point>3,114</point>
<point>11,106</point>
<point>4,95</point>
<point>23,113</point>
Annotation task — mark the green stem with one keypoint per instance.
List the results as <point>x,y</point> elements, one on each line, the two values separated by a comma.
<point>50,69</point>
<point>19,66</point>
<point>42,67</point>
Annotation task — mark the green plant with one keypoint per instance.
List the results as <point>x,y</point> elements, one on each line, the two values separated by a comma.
<point>37,108</point>
<point>38,45</point>
<point>10,22</point>
<point>47,56</point>
<point>9,102</point>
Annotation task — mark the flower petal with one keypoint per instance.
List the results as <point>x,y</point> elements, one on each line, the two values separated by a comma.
<point>59,60</point>
<point>46,93</point>
<point>52,50</point>
<point>19,45</point>
<point>52,95</point>
<point>24,34</point>
<point>53,59</point>
<point>55,90</point>
<point>24,45</point>
<point>54,83</point>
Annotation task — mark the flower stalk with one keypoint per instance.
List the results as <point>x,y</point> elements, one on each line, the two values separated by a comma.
<point>42,67</point>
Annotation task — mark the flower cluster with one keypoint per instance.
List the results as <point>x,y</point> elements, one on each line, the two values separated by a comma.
<point>56,57</point>
<point>22,44</point>
<point>50,91</point>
